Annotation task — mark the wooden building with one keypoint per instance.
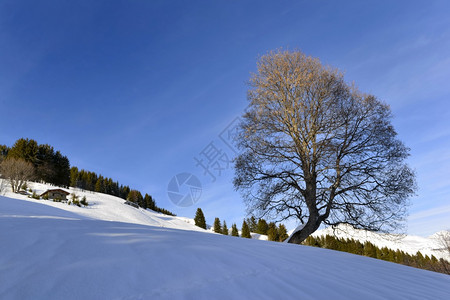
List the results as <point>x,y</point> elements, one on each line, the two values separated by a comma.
<point>55,194</point>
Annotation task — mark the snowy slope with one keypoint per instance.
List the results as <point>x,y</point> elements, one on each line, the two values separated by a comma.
<point>110,208</point>
<point>409,243</point>
<point>55,251</point>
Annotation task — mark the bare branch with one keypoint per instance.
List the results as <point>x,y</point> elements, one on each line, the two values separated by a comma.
<point>317,149</point>
<point>17,171</point>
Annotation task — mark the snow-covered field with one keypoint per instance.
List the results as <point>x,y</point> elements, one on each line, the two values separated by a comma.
<point>109,208</point>
<point>113,251</point>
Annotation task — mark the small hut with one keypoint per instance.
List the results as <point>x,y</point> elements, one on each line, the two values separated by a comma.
<point>55,194</point>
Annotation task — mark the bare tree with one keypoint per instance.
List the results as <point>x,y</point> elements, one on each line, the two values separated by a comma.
<point>2,181</point>
<point>319,150</point>
<point>17,171</point>
<point>444,240</point>
<point>2,186</point>
<point>444,243</point>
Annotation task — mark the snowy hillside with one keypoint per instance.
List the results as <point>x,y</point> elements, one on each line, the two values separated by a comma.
<point>409,243</point>
<point>111,251</point>
<point>110,208</point>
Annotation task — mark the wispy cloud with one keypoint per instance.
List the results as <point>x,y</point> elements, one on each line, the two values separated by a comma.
<point>428,222</point>
<point>442,210</point>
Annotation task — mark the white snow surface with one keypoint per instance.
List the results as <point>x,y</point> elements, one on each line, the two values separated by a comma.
<point>113,251</point>
<point>407,243</point>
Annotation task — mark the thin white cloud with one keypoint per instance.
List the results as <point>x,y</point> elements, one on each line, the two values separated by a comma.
<point>430,213</point>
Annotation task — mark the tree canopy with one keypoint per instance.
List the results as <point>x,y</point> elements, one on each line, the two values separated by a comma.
<point>317,149</point>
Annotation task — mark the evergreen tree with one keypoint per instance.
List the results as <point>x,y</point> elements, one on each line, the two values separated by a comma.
<point>136,197</point>
<point>252,224</point>
<point>419,259</point>
<point>140,201</point>
<point>224,228</point>
<point>217,227</point>
<point>245,230</point>
<point>433,259</point>
<point>25,149</point>
<point>150,203</point>
<point>61,166</point>
<point>45,163</point>
<point>398,257</point>
<point>3,152</point>
<point>359,248</point>
<point>199,218</point>
<point>91,180</point>
<point>282,232</point>
<point>99,185</point>
<point>369,250</point>
<point>73,176</point>
<point>379,253</point>
<point>383,253</point>
<point>262,227</point>
<point>391,255</point>
<point>80,180</point>
<point>234,230</point>
<point>84,201</point>
<point>330,242</point>
<point>116,190</point>
<point>312,241</point>
<point>272,232</point>
<point>308,241</point>
<point>109,188</point>
<point>124,191</point>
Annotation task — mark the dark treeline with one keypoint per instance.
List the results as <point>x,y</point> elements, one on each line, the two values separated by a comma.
<point>368,249</point>
<point>274,233</point>
<point>90,181</point>
<point>50,165</point>
<point>54,168</point>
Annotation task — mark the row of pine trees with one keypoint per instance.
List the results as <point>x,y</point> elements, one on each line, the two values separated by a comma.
<point>49,165</point>
<point>90,181</point>
<point>273,232</point>
<point>54,168</point>
<point>279,234</point>
<point>369,249</point>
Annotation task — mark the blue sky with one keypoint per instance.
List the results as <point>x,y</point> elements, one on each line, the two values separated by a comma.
<point>135,90</point>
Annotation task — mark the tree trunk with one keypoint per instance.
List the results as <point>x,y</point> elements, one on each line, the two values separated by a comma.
<point>311,226</point>
<point>314,219</point>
